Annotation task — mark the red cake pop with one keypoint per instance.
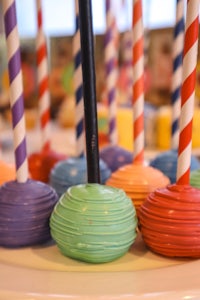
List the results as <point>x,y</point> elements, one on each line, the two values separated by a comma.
<point>169,217</point>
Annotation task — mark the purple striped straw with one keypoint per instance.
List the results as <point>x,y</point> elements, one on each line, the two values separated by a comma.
<point>177,71</point>
<point>16,89</point>
<point>111,72</point>
<point>78,84</point>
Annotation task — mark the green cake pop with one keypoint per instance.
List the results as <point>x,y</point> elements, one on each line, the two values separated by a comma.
<point>92,222</point>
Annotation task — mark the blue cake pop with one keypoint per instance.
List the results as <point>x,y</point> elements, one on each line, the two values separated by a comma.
<point>73,171</point>
<point>167,163</point>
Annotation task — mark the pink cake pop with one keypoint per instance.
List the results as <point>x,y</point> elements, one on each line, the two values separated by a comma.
<point>112,154</point>
<point>41,163</point>
<point>137,179</point>
<point>169,217</point>
<point>25,205</point>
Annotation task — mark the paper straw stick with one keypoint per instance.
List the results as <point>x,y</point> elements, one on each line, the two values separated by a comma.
<point>177,54</point>
<point>188,91</point>
<point>111,72</point>
<point>42,73</point>
<point>138,82</point>
<point>89,91</point>
<point>127,54</point>
<point>78,85</point>
<point>16,89</point>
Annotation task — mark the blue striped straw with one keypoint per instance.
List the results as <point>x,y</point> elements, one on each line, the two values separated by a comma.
<point>177,71</point>
<point>111,72</point>
<point>78,84</point>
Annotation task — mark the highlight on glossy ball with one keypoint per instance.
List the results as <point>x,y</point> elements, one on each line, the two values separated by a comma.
<point>94,223</point>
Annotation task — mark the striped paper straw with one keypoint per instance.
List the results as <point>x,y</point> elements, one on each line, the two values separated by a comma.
<point>111,72</point>
<point>42,73</point>
<point>16,89</point>
<point>127,53</point>
<point>138,82</point>
<point>188,91</point>
<point>177,71</point>
<point>78,85</point>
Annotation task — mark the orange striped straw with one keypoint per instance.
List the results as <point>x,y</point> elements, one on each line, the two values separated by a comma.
<point>42,73</point>
<point>188,91</point>
<point>138,82</point>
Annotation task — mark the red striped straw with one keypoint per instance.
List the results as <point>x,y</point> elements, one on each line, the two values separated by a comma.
<point>42,73</point>
<point>16,89</point>
<point>188,91</point>
<point>138,82</point>
<point>127,53</point>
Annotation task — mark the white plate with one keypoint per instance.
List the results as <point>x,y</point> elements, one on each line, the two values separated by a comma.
<point>43,273</point>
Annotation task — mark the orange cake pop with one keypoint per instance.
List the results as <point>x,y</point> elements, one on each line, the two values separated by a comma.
<point>41,163</point>
<point>137,179</point>
<point>7,172</point>
<point>169,217</point>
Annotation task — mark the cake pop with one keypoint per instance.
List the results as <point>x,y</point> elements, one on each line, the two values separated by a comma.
<point>166,162</point>
<point>169,217</point>
<point>115,157</point>
<point>7,172</point>
<point>194,178</point>
<point>73,170</point>
<point>92,222</point>
<point>41,163</point>
<point>137,179</point>
<point>112,154</point>
<point>25,205</point>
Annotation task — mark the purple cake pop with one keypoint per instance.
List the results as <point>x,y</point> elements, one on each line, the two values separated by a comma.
<point>25,205</point>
